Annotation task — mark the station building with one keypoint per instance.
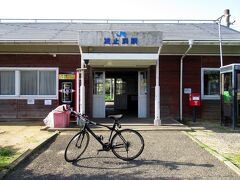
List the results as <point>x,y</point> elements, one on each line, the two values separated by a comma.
<point>148,69</point>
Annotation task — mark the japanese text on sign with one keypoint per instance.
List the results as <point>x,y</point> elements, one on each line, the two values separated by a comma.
<point>120,38</point>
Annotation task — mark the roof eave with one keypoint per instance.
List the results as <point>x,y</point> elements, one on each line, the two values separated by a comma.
<point>234,42</point>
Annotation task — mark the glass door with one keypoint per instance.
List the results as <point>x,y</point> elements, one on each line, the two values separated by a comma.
<point>238,98</point>
<point>120,102</point>
<point>227,99</point>
<point>99,94</point>
<point>142,94</point>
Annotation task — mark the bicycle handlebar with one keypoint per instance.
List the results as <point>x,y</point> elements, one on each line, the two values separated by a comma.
<point>85,118</point>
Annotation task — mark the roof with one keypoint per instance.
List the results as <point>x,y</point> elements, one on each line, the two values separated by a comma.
<point>68,31</point>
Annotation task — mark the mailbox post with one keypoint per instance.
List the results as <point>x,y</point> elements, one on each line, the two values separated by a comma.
<point>194,101</point>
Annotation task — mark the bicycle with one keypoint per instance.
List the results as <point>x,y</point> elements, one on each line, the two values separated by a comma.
<point>126,144</point>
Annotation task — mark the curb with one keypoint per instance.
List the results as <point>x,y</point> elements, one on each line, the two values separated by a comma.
<point>138,129</point>
<point>24,156</point>
<point>215,154</point>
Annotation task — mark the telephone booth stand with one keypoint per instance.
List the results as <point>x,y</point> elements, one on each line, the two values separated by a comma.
<point>230,95</point>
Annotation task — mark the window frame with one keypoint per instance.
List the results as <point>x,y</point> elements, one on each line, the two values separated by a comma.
<point>17,94</point>
<point>12,95</point>
<point>208,97</point>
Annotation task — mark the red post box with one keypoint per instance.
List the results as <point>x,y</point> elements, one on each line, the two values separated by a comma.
<point>194,99</point>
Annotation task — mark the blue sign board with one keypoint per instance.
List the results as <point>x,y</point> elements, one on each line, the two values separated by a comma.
<point>120,38</point>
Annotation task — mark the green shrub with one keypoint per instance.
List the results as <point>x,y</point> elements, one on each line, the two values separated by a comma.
<point>4,152</point>
<point>7,156</point>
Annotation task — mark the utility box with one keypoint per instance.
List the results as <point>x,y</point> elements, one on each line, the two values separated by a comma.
<point>194,99</point>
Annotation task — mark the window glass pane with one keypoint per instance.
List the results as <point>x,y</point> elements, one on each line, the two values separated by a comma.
<point>98,83</point>
<point>227,91</point>
<point>47,83</point>
<point>211,82</point>
<point>120,86</point>
<point>28,83</point>
<point>143,83</point>
<point>7,82</point>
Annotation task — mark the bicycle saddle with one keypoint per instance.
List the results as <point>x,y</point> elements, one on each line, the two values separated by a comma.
<point>116,116</point>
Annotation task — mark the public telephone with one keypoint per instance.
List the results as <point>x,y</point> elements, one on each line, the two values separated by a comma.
<point>67,92</point>
<point>67,89</point>
<point>230,95</point>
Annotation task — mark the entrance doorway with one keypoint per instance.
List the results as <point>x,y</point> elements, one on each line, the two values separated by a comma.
<point>122,92</point>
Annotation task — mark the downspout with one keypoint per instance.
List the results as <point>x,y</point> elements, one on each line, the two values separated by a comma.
<point>220,40</point>
<point>181,78</point>
<point>157,120</point>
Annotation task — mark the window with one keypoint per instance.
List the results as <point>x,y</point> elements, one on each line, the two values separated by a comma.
<point>38,83</point>
<point>210,84</point>
<point>98,83</point>
<point>143,82</point>
<point>7,83</point>
<point>121,86</point>
<point>47,82</point>
<point>28,83</point>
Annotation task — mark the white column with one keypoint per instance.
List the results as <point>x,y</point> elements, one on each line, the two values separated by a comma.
<point>77,91</point>
<point>157,120</point>
<point>82,89</point>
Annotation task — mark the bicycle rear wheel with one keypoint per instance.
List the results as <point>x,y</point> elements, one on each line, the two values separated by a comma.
<point>77,146</point>
<point>127,144</point>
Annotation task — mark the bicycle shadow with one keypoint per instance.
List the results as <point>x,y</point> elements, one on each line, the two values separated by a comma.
<point>113,163</point>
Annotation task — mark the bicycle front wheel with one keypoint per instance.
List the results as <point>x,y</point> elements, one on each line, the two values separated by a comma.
<point>127,144</point>
<point>77,146</point>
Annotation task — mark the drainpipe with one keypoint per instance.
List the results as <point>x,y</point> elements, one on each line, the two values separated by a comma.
<point>181,77</point>
<point>220,39</point>
<point>157,120</point>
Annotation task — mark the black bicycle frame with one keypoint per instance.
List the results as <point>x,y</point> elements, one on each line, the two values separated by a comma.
<point>112,129</point>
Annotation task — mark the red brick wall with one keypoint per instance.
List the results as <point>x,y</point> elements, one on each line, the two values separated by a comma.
<point>169,85</point>
<point>19,108</point>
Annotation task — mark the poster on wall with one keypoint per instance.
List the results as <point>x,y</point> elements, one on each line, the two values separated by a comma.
<point>47,102</point>
<point>30,101</point>
<point>187,90</point>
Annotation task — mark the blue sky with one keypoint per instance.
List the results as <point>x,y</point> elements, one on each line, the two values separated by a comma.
<point>120,9</point>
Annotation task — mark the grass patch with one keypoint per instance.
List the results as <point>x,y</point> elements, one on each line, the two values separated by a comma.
<point>108,98</point>
<point>4,152</point>
<point>7,156</point>
<point>234,158</point>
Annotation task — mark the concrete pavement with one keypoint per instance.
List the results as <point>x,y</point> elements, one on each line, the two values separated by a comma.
<point>167,155</point>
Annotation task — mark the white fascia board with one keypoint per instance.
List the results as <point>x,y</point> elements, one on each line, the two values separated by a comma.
<point>120,56</point>
<point>202,42</point>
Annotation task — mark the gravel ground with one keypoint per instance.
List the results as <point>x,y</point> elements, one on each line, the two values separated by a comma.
<point>167,155</point>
